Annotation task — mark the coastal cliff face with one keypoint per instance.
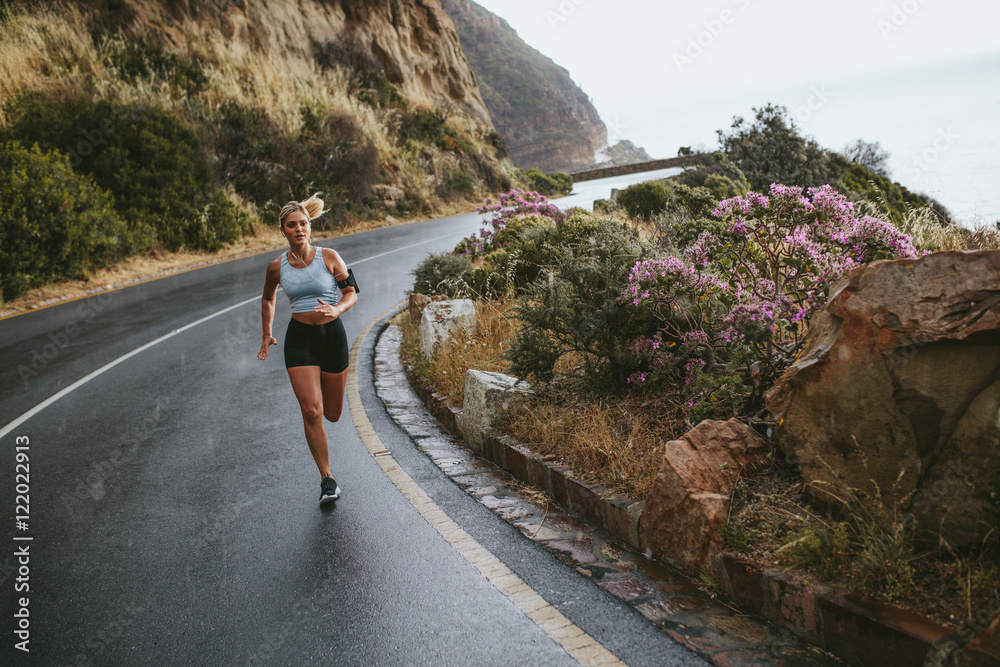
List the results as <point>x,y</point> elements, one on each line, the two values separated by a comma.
<point>413,40</point>
<point>546,120</point>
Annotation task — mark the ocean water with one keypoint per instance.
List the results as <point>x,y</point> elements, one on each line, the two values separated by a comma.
<point>940,125</point>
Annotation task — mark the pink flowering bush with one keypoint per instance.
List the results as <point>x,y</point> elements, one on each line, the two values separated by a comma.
<point>732,311</point>
<point>507,206</point>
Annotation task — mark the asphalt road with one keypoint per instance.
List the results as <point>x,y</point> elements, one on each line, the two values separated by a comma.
<point>173,502</point>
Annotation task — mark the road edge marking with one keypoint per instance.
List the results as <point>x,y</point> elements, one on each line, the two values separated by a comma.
<point>578,644</point>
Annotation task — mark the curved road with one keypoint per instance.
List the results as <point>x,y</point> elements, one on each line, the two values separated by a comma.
<point>173,502</point>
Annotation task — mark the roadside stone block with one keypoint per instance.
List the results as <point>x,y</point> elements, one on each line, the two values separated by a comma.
<point>617,518</point>
<point>443,320</point>
<point>517,462</point>
<point>487,396</point>
<point>865,632</point>
<point>743,584</point>
<point>559,490</point>
<point>795,607</point>
<point>541,475</point>
<point>585,500</point>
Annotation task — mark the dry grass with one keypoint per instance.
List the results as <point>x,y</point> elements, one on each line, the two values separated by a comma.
<point>446,371</point>
<point>772,524</point>
<point>924,225</point>
<point>51,49</point>
<point>616,442</point>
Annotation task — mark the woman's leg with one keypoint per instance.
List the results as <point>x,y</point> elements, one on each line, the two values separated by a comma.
<point>309,390</point>
<point>333,394</point>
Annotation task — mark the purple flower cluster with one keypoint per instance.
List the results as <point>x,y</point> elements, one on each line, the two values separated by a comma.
<point>741,299</point>
<point>507,206</point>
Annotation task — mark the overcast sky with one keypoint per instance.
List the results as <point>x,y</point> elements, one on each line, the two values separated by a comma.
<point>639,53</point>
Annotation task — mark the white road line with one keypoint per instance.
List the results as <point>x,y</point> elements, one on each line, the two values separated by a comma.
<point>581,646</point>
<point>108,366</point>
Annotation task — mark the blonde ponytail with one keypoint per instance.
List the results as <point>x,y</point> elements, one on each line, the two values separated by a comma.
<point>312,207</point>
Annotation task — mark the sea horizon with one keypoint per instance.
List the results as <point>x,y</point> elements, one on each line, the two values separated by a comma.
<point>937,122</point>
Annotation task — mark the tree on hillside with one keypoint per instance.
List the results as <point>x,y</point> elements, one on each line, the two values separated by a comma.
<point>868,154</point>
<point>771,150</point>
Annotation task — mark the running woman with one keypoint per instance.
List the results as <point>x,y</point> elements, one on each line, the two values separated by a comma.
<point>316,350</point>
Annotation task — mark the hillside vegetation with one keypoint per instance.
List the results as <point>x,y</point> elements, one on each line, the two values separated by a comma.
<point>187,124</point>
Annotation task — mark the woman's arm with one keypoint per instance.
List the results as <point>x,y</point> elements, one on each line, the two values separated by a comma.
<point>271,280</point>
<point>338,268</point>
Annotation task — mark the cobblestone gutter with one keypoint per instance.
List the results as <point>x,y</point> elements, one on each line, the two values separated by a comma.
<point>604,552</point>
<point>854,628</point>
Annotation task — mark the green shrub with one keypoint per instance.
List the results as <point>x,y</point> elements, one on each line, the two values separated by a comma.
<point>574,307</point>
<point>350,53</point>
<point>697,201</point>
<point>429,127</point>
<point>146,158</point>
<point>442,273</point>
<point>644,200</point>
<point>139,58</point>
<point>532,243</point>
<point>723,187</point>
<point>720,176</point>
<point>524,229</point>
<point>485,282</point>
<point>462,184</point>
<point>54,223</point>
<point>557,183</point>
<point>331,155</point>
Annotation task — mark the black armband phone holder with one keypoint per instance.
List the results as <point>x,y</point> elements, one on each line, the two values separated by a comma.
<point>349,281</point>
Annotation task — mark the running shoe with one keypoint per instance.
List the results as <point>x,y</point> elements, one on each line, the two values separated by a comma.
<point>328,491</point>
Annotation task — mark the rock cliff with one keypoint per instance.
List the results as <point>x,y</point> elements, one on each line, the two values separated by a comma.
<point>546,120</point>
<point>413,40</point>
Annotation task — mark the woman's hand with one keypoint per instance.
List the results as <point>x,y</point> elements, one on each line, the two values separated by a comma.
<point>327,309</point>
<point>268,342</point>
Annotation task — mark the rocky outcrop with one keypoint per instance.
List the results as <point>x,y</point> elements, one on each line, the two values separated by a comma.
<point>623,152</point>
<point>895,400</point>
<point>414,40</point>
<point>689,502</point>
<point>442,320</point>
<point>545,119</point>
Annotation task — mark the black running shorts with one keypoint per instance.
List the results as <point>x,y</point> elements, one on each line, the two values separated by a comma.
<point>323,345</point>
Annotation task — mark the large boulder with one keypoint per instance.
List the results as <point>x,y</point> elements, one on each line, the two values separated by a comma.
<point>487,396</point>
<point>894,400</point>
<point>443,320</point>
<point>689,502</point>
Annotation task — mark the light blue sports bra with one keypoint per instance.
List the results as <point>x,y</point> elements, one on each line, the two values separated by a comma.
<point>304,286</point>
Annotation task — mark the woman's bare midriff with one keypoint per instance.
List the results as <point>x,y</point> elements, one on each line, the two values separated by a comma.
<point>312,318</point>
